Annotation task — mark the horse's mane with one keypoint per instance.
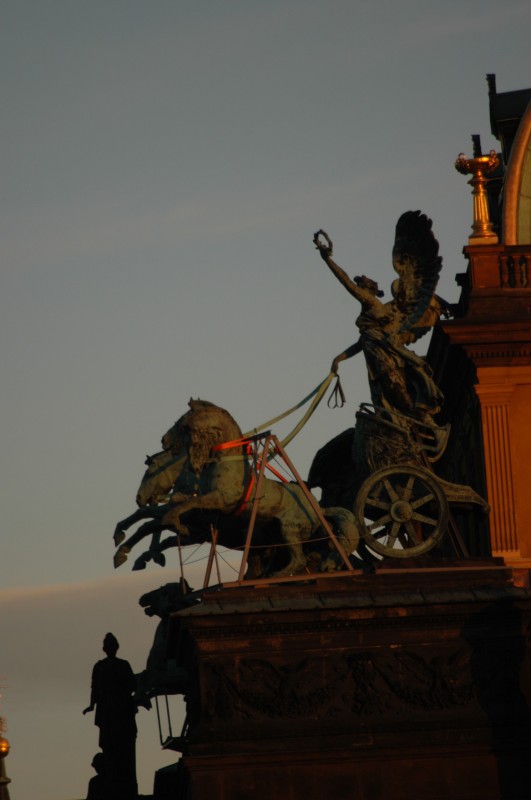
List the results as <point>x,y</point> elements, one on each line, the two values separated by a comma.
<point>202,427</point>
<point>203,410</point>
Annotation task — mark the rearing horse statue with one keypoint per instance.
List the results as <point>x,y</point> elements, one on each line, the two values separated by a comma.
<point>195,476</point>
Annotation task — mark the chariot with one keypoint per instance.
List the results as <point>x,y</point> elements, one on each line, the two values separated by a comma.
<point>402,508</point>
<point>382,472</point>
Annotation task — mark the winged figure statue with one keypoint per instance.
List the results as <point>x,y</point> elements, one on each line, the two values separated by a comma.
<point>400,380</point>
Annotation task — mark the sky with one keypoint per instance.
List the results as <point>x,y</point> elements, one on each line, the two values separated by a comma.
<point>164,167</point>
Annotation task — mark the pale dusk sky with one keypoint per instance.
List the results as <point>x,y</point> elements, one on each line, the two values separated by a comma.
<point>165,165</point>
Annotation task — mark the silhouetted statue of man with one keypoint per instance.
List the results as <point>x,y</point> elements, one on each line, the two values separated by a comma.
<point>98,788</point>
<point>113,684</point>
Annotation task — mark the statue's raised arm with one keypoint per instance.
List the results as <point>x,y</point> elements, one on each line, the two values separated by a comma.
<point>357,287</point>
<point>399,379</point>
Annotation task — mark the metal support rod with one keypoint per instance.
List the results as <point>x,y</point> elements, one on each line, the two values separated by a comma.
<point>216,559</point>
<point>254,511</point>
<point>211,556</point>
<point>158,720</point>
<point>168,715</point>
<point>180,556</point>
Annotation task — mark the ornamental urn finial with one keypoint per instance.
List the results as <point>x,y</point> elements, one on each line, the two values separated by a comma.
<point>479,167</point>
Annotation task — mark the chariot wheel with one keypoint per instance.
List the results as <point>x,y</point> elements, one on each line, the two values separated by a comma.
<point>401,511</point>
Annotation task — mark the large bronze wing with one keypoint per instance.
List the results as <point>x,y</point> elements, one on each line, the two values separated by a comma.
<point>417,261</point>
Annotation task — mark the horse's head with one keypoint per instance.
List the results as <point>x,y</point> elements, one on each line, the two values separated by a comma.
<point>197,431</point>
<point>173,439</point>
<point>163,469</point>
<point>170,597</point>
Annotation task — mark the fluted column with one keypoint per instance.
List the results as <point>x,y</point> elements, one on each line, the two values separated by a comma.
<point>494,402</point>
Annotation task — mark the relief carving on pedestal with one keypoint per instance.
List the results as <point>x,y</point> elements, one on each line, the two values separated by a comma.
<point>362,683</point>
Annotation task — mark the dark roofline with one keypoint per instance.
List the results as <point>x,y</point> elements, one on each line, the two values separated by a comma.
<point>506,108</point>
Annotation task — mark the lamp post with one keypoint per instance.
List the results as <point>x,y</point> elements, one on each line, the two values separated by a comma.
<point>479,167</point>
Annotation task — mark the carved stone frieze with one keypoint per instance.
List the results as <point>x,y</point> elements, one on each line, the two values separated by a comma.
<point>360,683</point>
<point>401,680</point>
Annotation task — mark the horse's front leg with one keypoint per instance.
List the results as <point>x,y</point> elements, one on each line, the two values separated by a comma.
<point>155,552</point>
<point>213,501</point>
<point>152,527</point>
<point>144,512</point>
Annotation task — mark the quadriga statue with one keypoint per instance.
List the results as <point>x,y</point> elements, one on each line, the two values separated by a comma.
<point>377,478</point>
<point>195,482</point>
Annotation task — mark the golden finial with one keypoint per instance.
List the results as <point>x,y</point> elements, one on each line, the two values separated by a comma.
<point>4,751</point>
<point>479,166</point>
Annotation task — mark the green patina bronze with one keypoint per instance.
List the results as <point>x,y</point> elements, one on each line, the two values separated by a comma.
<point>377,479</point>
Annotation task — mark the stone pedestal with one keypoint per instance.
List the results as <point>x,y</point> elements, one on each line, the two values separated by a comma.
<point>407,684</point>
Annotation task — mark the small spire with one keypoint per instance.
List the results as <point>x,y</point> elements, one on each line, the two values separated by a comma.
<point>476,144</point>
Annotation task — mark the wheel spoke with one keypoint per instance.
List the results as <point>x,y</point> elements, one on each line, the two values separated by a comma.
<point>372,501</point>
<point>422,500</point>
<point>390,491</point>
<point>412,533</point>
<point>378,523</point>
<point>393,535</point>
<point>409,488</point>
<point>422,518</point>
